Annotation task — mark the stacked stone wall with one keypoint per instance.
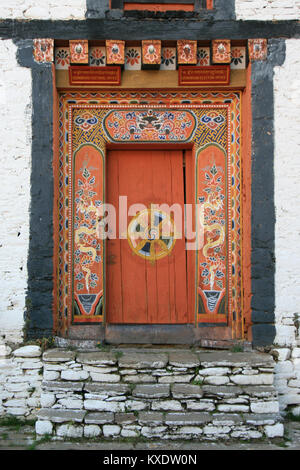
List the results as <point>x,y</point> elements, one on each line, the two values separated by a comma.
<point>175,395</point>
<point>21,376</point>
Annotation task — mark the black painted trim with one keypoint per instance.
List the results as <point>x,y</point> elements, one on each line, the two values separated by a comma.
<point>117,4</point>
<point>96,8</point>
<point>39,298</point>
<point>137,29</point>
<point>224,9</point>
<point>263,208</point>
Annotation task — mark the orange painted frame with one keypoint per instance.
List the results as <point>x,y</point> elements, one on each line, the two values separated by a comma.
<point>154,145</point>
<point>131,5</point>
<point>158,7</point>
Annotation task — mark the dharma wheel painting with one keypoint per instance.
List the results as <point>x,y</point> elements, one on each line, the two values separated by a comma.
<point>149,233</point>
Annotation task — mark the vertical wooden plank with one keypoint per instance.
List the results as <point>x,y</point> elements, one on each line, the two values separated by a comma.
<point>179,256</point>
<point>191,254</point>
<point>153,298</point>
<point>133,184</point>
<point>162,195</point>
<point>113,258</point>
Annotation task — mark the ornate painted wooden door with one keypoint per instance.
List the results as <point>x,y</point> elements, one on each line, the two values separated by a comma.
<point>135,280</point>
<point>146,264</point>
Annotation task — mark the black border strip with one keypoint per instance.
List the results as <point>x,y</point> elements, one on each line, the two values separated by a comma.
<point>133,29</point>
<point>39,299</point>
<point>263,207</point>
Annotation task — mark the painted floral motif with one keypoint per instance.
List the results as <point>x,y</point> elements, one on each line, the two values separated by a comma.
<point>133,58</point>
<point>221,51</point>
<point>212,119</point>
<point>79,51</point>
<point>97,56</point>
<point>87,246</point>
<point>86,121</point>
<point>62,58</point>
<point>187,52</point>
<point>258,49</point>
<point>149,125</point>
<point>115,52</point>
<point>168,58</point>
<point>203,56</point>
<point>212,265</point>
<point>43,50</point>
<point>151,52</point>
<point>87,229</point>
<point>238,57</point>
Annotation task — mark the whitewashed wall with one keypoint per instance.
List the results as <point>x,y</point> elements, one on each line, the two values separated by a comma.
<point>287,229</point>
<point>15,162</point>
<point>267,9</point>
<point>75,9</point>
<point>43,9</point>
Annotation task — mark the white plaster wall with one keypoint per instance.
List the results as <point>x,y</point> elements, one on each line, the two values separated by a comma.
<point>287,228</point>
<point>267,9</point>
<point>43,9</point>
<point>287,190</point>
<point>15,162</point>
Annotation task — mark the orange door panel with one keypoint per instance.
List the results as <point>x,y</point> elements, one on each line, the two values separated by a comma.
<point>146,265</point>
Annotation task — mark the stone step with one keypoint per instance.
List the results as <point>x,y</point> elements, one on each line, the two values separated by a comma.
<point>172,393</point>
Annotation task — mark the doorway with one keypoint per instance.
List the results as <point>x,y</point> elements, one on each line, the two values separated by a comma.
<point>146,263</point>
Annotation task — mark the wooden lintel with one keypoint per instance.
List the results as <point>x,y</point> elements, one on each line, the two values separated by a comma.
<point>151,79</point>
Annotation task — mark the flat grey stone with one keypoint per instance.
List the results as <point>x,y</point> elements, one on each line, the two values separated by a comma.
<point>183,359</point>
<point>125,418</point>
<point>238,359</point>
<point>99,418</point>
<point>152,391</point>
<point>28,351</point>
<point>186,391</point>
<point>227,418</point>
<point>109,389</point>
<point>143,360</point>
<point>180,378</point>
<point>61,416</point>
<point>262,419</point>
<point>262,391</point>
<point>97,358</point>
<point>151,418</point>
<point>57,386</point>
<point>187,418</point>
<point>139,378</point>
<point>222,391</point>
<point>59,355</point>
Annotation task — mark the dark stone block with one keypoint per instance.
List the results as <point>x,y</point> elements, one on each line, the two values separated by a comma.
<point>262,317</point>
<point>263,334</point>
<point>96,9</point>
